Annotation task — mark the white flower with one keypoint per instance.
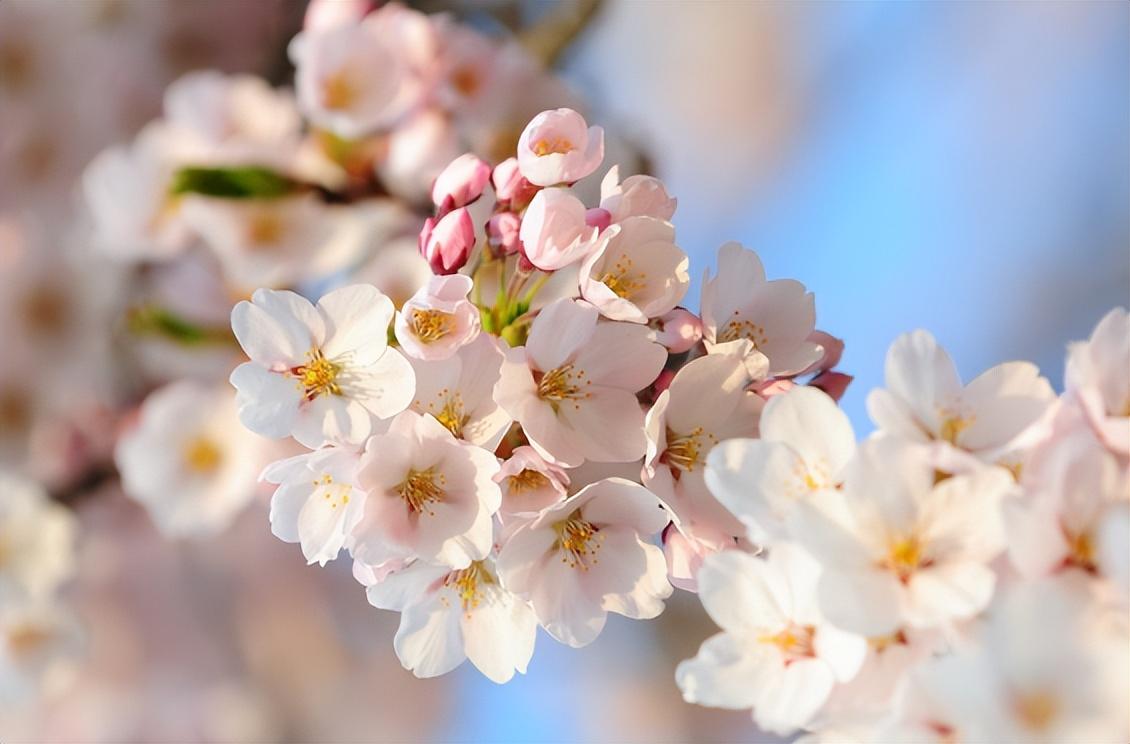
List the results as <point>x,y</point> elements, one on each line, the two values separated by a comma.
<point>635,272</point>
<point>776,654</point>
<point>451,615</point>
<point>459,392</point>
<point>740,307</point>
<point>573,385</point>
<point>1097,374</point>
<point>439,319</point>
<point>585,557</point>
<point>899,549</point>
<point>188,461</point>
<point>40,646</point>
<point>926,402</point>
<point>431,496</point>
<point>320,374</point>
<point>317,502</point>
<point>806,440</point>
<point>37,541</point>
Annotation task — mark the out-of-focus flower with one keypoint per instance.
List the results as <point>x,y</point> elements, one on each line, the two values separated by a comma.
<point>925,401</point>
<point>355,79</point>
<point>1096,374</point>
<point>460,183</point>
<point>37,541</point>
<point>572,386</point>
<point>397,270</point>
<point>40,649</point>
<point>478,618</point>
<point>554,233</point>
<point>318,373</point>
<point>439,319</point>
<point>503,234</point>
<point>776,653</point>
<point>585,557</point>
<point>447,244</point>
<point>530,483</point>
<point>635,271</point>
<point>510,187</point>
<point>898,549</point>
<point>637,196</point>
<point>459,392</point>
<point>431,496</point>
<point>678,329</point>
<point>776,318</point>
<point>323,14</point>
<point>188,461</point>
<point>559,147</point>
<point>806,441</point>
<point>317,502</point>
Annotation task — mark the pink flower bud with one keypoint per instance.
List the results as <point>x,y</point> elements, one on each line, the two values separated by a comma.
<point>502,233</point>
<point>554,234</point>
<point>598,218</point>
<point>510,187</point>
<point>835,384</point>
<point>446,244</point>
<point>678,330</point>
<point>460,183</point>
<point>559,147</point>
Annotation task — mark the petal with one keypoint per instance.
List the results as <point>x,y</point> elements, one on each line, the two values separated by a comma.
<point>794,698</point>
<point>953,590</point>
<point>384,388</point>
<point>558,331</point>
<point>356,320</point>
<point>621,355</point>
<point>268,402</point>
<point>276,327</point>
<point>624,503</point>
<point>410,585</point>
<point>811,423</point>
<point>499,635</point>
<point>430,640</point>
<point>922,375</point>
<point>726,673</point>
<point>868,602</point>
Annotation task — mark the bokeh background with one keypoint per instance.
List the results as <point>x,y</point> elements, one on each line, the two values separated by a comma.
<point>960,167</point>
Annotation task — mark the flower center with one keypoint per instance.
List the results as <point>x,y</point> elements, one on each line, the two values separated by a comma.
<point>421,488</point>
<point>561,383</point>
<point>527,480</point>
<point>432,325</point>
<point>26,638</point>
<point>466,81</point>
<point>555,146</point>
<point>1081,550</point>
<point>318,376</point>
<point>952,426</point>
<point>338,91</point>
<point>264,229</point>
<point>579,541</point>
<point>737,328</point>
<point>685,451</point>
<point>334,496</point>
<point>452,416</point>
<point>622,281</point>
<point>202,455</point>
<point>905,556</point>
<point>467,584</point>
<point>795,642</point>
<point>1036,710</point>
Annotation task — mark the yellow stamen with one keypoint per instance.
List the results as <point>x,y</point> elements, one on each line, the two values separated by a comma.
<point>452,416</point>
<point>904,557</point>
<point>558,146</point>
<point>560,384</point>
<point>738,327</point>
<point>686,451</point>
<point>264,229</point>
<point>1081,547</point>
<point>1037,710</point>
<point>527,480</point>
<point>467,584</point>
<point>622,281</point>
<point>579,541</point>
<point>795,641</point>
<point>202,455</point>
<point>431,325</point>
<point>318,376</point>
<point>26,638</point>
<point>952,426</point>
<point>338,91</point>
<point>420,488</point>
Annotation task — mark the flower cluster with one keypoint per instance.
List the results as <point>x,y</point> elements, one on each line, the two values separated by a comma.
<point>961,575</point>
<point>523,440</point>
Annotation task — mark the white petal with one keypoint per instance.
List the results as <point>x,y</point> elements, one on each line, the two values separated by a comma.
<point>726,673</point>
<point>499,635</point>
<point>430,641</point>
<point>356,320</point>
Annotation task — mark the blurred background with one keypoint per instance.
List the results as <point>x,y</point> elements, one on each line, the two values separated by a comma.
<point>960,167</point>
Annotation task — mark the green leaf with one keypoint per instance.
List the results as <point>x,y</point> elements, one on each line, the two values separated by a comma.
<point>157,321</point>
<point>244,182</point>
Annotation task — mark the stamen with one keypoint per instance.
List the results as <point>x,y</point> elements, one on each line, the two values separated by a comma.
<point>622,281</point>
<point>1081,550</point>
<point>26,638</point>
<point>318,376</point>
<point>202,455</point>
<point>738,327</point>
<point>264,229</point>
<point>1036,710</point>
<point>420,488</point>
<point>527,480</point>
<point>952,426</point>
<point>579,541</point>
<point>560,384</point>
<point>468,584</point>
<point>431,325</point>
<point>558,146</point>
<point>338,91</point>
<point>905,556</point>
<point>795,642</point>
<point>685,451</point>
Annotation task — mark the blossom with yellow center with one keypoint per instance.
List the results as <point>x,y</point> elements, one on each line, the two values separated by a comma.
<point>622,280</point>
<point>527,480</point>
<point>562,383</point>
<point>339,91</point>
<point>318,376</point>
<point>578,541</point>
<point>738,328</point>
<point>553,146</point>
<point>431,325</point>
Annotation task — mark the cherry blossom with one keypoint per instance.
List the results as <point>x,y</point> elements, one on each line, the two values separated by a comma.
<point>636,196</point>
<point>586,556</point>
<point>776,653</point>
<point>37,541</point>
<point>529,483</point>
<point>318,373</point>
<point>572,386</point>
<point>447,244</point>
<point>438,320</point>
<point>554,233</point>
<point>1096,374</point>
<point>460,183</point>
<point>558,147</point>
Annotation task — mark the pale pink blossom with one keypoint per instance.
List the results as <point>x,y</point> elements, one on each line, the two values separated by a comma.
<point>503,233</point>
<point>323,14</point>
<point>1097,375</point>
<point>460,183</point>
<point>776,654</point>
<point>678,329</point>
<point>430,496</point>
<point>319,373</point>
<point>317,503</point>
<point>637,196</point>
<point>635,271</point>
<point>530,483</point>
<point>439,319</point>
<point>559,147</point>
<point>588,556</point>
<point>573,385</point>
<point>806,442</point>
<point>459,392</point>
<point>417,151</point>
<point>447,244</point>
<point>510,187</point>
<point>554,233</point>
<point>448,616</point>
<point>899,549</point>
<point>775,318</point>
<point>925,400</point>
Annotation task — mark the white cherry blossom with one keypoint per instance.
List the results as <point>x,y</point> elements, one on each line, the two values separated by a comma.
<point>439,319</point>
